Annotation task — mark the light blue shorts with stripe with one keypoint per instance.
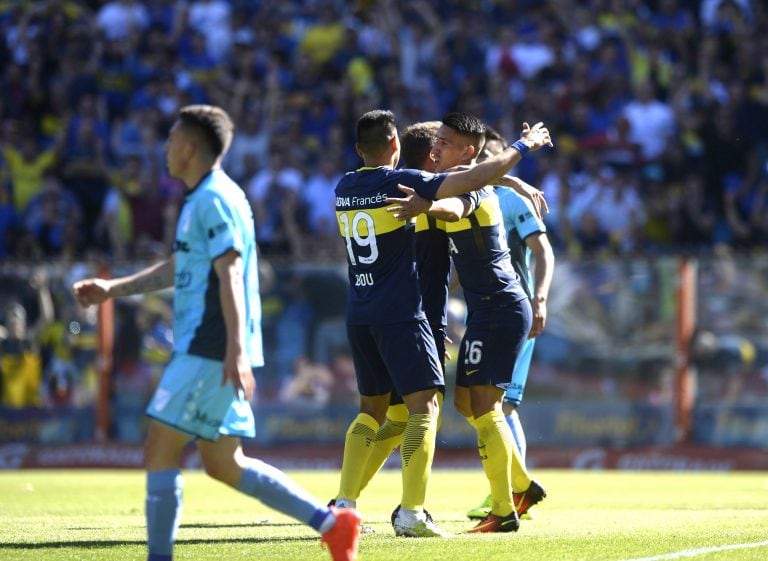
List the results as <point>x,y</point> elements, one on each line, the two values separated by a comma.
<point>514,393</point>
<point>190,398</point>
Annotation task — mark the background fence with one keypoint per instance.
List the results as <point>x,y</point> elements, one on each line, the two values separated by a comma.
<point>604,372</point>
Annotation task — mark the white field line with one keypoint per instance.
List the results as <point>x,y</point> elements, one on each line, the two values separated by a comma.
<point>699,551</point>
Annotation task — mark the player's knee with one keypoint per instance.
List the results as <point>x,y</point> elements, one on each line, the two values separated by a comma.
<point>222,469</point>
<point>397,413</point>
<point>509,408</point>
<point>462,406</point>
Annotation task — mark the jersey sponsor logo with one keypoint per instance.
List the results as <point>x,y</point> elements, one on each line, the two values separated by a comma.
<point>470,372</point>
<point>183,279</point>
<point>357,202</point>
<point>181,245</point>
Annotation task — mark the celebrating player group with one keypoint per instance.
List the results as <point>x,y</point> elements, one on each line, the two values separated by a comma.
<point>402,229</point>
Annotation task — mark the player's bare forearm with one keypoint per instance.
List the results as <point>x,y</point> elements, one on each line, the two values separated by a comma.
<point>155,277</point>
<point>525,190</point>
<point>543,259</point>
<point>410,206</point>
<point>449,210</point>
<point>229,269</point>
<point>484,173</point>
<point>236,370</point>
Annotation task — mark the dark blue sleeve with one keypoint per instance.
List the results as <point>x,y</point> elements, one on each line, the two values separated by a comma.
<point>473,198</point>
<point>424,183</point>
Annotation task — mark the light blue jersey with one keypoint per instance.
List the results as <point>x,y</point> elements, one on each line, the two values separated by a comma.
<point>215,218</point>
<point>520,221</point>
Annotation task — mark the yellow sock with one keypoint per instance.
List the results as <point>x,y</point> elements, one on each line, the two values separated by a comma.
<point>496,455</point>
<point>417,452</point>
<point>388,437</point>
<point>440,399</point>
<point>357,449</point>
<point>520,478</point>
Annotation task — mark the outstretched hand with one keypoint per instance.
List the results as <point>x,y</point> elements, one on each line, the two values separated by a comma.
<point>409,206</point>
<point>91,291</point>
<point>536,137</point>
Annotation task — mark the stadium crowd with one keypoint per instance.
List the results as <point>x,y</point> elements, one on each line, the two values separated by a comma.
<point>659,110</point>
<point>659,107</point>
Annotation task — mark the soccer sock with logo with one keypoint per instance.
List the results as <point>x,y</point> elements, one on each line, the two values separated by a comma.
<point>388,437</point>
<point>492,430</point>
<point>357,449</point>
<point>278,491</point>
<point>163,511</point>
<point>513,420</point>
<point>417,451</point>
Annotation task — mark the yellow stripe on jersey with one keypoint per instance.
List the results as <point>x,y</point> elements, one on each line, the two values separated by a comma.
<point>361,221</point>
<point>487,214</point>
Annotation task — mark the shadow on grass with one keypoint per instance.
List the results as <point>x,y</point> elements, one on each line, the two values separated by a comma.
<point>255,524</point>
<point>97,544</point>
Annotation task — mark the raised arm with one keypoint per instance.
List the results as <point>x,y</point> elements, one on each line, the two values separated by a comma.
<point>484,173</point>
<point>155,277</point>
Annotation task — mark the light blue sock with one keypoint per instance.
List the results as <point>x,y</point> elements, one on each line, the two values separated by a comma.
<point>163,510</point>
<point>513,420</point>
<point>278,491</point>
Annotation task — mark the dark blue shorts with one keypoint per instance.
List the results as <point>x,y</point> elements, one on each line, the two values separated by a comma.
<point>439,332</point>
<point>491,344</point>
<point>400,356</point>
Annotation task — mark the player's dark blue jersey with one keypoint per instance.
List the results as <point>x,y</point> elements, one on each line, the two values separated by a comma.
<point>434,266</point>
<point>434,263</point>
<point>478,247</point>
<point>383,278</point>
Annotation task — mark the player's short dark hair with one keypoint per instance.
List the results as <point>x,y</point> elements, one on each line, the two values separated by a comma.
<point>212,124</point>
<point>467,125</point>
<point>492,134</point>
<point>374,131</point>
<point>494,143</point>
<point>416,142</point>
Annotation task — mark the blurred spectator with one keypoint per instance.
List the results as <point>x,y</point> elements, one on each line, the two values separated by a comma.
<point>119,19</point>
<point>277,209</point>
<point>311,385</point>
<point>53,222</point>
<point>651,122</point>
<point>212,19</point>
<point>320,200</point>
<point>669,82</point>
<point>20,361</point>
<point>26,166</point>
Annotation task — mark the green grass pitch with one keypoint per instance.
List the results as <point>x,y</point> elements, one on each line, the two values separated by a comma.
<point>591,516</point>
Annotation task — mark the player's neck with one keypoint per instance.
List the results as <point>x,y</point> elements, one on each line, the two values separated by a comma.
<point>377,163</point>
<point>195,175</point>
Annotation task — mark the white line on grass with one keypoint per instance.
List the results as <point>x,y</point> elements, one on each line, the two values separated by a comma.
<point>699,551</point>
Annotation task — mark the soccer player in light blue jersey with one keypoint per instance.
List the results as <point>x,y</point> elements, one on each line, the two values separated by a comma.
<point>528,241</point>
<point>204,392</point>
